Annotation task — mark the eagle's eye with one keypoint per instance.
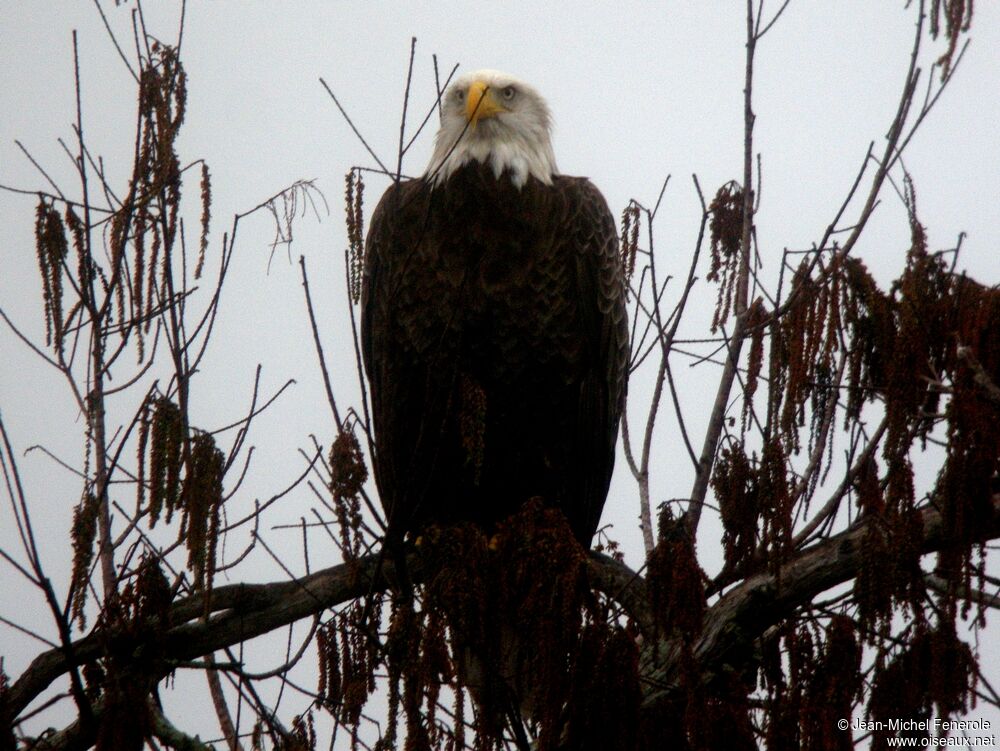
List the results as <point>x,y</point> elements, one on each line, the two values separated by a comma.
<point>508,93</point>
<point>458,95</point>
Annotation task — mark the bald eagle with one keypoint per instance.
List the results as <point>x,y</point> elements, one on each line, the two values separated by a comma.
<point>494,330</point>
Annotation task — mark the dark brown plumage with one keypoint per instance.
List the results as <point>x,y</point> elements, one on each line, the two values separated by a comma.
<point>495,341</point>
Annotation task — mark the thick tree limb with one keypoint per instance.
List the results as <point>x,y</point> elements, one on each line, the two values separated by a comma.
<point>744,613</point>
<point>79,736</point>
<point>240,612</point>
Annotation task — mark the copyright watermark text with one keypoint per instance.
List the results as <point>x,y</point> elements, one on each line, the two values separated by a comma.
<point>985,736</point>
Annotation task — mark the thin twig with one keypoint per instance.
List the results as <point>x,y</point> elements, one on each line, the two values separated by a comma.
<point>354,128</point>
<point>319,347</point>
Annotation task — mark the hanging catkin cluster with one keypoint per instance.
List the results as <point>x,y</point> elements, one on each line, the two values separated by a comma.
<point>181,473</point>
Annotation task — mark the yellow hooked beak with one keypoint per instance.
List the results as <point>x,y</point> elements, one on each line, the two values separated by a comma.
<point>480,103</point>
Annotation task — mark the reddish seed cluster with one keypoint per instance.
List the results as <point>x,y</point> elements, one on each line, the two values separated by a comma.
<point>124,677</point>
<point>957,19</point>
<point>354,210</point>
<point>347,478</point>
<point>726,231</point>
<point>52,249</point>
<point>202,503</point>
<point>348,657</point>
<point>84,532</point>
<point>557,649</point>
<point>206,216</point>
<point>735,485</point>
<point>630,238</point>
<point>185,474</point>
<point>934,672</point>
<point>676,580</point>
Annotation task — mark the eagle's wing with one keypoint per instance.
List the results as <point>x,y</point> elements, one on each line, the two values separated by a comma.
<point>402,317</point>
<point>380,363</point>
<point>590,226</point>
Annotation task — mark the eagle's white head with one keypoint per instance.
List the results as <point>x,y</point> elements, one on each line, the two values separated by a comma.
<point>493,118</point>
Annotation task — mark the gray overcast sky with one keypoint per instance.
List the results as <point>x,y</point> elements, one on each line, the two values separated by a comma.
<point>639,90</point>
